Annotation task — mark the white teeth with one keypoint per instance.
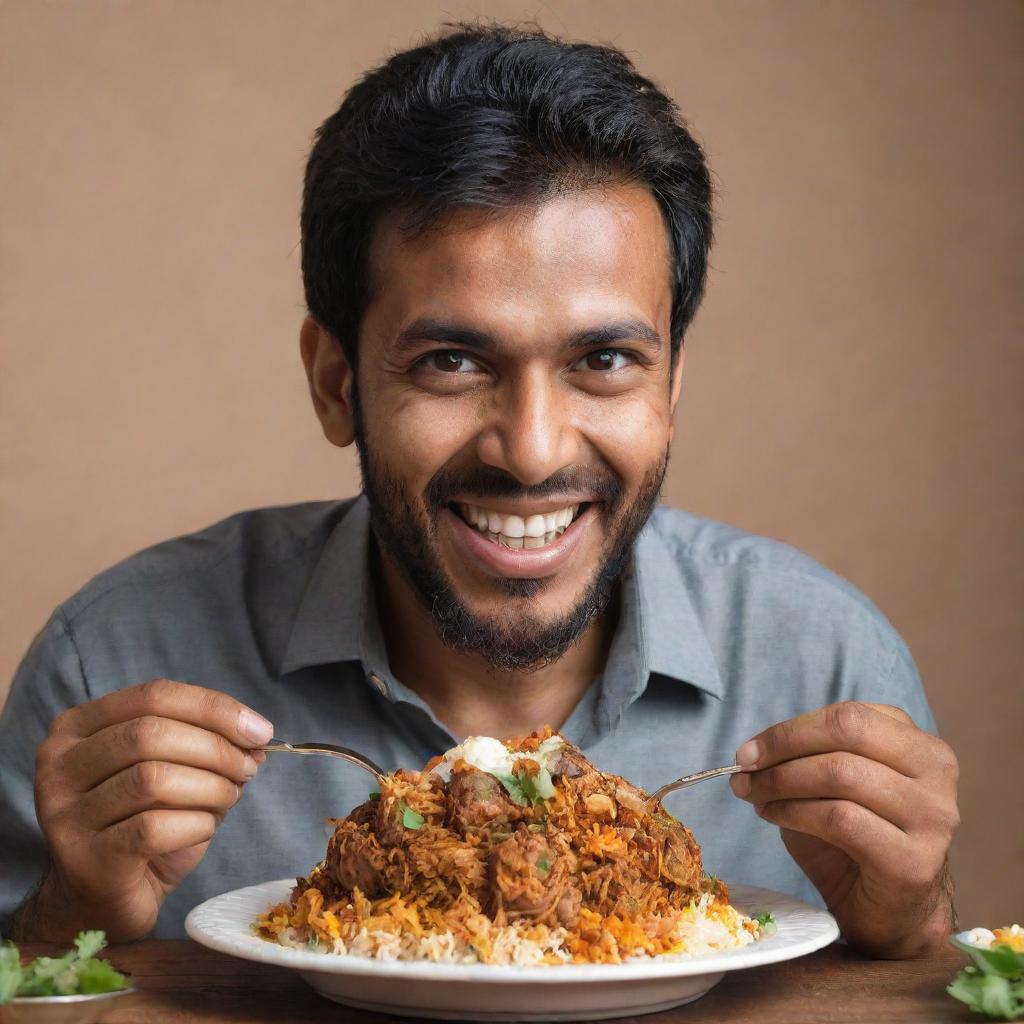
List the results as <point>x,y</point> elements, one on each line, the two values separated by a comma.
<point>514,527</point>
<point>534,526</point>
<point>517,532</point>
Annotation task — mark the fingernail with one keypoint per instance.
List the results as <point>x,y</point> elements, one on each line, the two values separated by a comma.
<point>741,784</point>
<point>748,754</point>
<point>255,728</point>
<point>249,766</point>
<point>259,755</point>
<point>759,810</point>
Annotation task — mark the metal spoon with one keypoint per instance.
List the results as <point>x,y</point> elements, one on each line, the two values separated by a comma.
<point>352,756</point>
<point>692,780</point>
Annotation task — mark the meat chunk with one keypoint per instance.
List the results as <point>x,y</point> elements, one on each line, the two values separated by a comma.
<point>355,860</point>
<point>680,854</point>
<point>528,879</point>
<point>477,800</point>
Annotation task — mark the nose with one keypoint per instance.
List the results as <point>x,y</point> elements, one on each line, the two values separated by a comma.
<point>530,434</point>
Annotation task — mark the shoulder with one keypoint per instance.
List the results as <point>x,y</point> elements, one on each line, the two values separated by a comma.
<point>768,609</point>
<point>253,541</point>
<point>713,553</point>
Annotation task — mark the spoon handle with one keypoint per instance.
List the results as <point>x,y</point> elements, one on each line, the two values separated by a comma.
<point>692,780</point>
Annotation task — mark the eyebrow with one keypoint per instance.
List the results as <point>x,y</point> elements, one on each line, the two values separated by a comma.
<point>456,334</point>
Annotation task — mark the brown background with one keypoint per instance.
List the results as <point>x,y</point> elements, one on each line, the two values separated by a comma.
<point>853,383</point>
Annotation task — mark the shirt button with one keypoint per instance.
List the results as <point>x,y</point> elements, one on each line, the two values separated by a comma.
<point>378,684</point>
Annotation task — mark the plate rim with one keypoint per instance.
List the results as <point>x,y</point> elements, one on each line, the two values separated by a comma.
<point>250,947</point>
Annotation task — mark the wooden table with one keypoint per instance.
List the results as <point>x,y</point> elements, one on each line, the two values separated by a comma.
<point>181,982</point>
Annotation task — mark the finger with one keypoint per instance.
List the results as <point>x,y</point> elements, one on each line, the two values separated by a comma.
<point>863,836</point>
<point>155,785</point>
<point>838,776</point>
<point>850,726</point>
<point>164,698</point>
<point>111,750</point>
<point>156,832</point>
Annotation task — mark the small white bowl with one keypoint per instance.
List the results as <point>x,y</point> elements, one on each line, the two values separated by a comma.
<point>59,1009</point>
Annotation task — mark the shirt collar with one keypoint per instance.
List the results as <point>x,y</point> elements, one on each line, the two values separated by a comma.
<point>337,614</point>
<point>328,626</point>
<point>671,638</point>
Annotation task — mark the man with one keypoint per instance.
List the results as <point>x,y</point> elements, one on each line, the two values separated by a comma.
<point>504,240</point>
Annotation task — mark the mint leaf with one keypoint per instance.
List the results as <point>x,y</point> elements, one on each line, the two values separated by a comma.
<point>410,819</point>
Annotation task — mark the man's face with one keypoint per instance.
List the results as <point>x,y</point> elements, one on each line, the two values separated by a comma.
<point>516,406</point>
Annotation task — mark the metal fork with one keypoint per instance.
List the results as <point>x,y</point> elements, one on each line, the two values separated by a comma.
<point>692,780</point>
<point>352,756</point>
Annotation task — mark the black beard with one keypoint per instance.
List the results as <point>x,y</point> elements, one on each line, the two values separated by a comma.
<point>526,643</point>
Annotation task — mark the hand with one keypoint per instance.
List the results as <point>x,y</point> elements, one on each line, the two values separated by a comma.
<point>866,803</point>
<point>129,790</point>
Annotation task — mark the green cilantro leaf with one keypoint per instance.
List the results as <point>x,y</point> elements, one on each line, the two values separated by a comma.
<point>766,922</point>
<point>525,789</point>
<point>10,972</point>
<point>374,794</point>
<point>410,818</point>
<point>543,864</point>
<point>78,972</point>
<point>994,984</point>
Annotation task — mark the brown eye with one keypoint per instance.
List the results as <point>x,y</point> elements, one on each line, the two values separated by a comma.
<point>451,361</point>
<point>605,360</point>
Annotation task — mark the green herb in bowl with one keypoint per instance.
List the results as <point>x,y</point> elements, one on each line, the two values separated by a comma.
<point>994,984</point>
<point>65,988</point>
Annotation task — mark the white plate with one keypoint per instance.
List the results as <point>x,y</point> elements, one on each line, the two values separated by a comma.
<point>486,992</point>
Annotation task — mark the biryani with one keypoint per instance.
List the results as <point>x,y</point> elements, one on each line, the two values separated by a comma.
<point>509,853</point>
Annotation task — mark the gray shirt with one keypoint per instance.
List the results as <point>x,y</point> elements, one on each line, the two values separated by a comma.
<point>720,634</point>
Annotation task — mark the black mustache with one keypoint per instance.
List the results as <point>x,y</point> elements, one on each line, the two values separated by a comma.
<point>488,482</point>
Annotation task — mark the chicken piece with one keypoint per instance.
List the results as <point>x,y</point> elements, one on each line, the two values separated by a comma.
<point>680,854</point>
<point>388,821</point>
<point>527,877</point>
<point>477,800</point>
<point>355,860</point>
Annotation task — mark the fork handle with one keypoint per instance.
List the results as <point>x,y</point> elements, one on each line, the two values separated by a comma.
<point>692,780</point>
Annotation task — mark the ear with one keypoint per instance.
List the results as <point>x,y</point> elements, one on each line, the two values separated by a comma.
<point>330,381</point>
<point>676,388</point>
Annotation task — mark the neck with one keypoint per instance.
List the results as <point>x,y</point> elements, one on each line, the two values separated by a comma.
<point>464,690</point>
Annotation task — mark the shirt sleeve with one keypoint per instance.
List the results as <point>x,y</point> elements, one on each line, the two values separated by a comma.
<point>901,686</point>
<point>48,681</point>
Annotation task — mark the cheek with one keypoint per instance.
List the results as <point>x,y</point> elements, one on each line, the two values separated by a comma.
<point>630,434</point>
<point>418,434</point>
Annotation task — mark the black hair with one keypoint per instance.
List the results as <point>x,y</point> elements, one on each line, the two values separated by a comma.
<point>492,116</point>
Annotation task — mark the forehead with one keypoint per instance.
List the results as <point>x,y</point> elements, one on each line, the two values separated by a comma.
<point>574,257</point>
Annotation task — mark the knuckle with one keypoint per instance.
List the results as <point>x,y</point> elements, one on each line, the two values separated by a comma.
<point>841,819</point>
<point>844,773</point>
<point>847,722</point>
<point>144,734</point>
<point>146,781</point>
<point>947,761</point>
<point>147,829</point>
<point>63,722</point>
<point>157,693</point>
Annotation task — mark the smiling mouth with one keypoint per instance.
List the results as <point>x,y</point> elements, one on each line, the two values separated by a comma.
<point>517,532</point>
